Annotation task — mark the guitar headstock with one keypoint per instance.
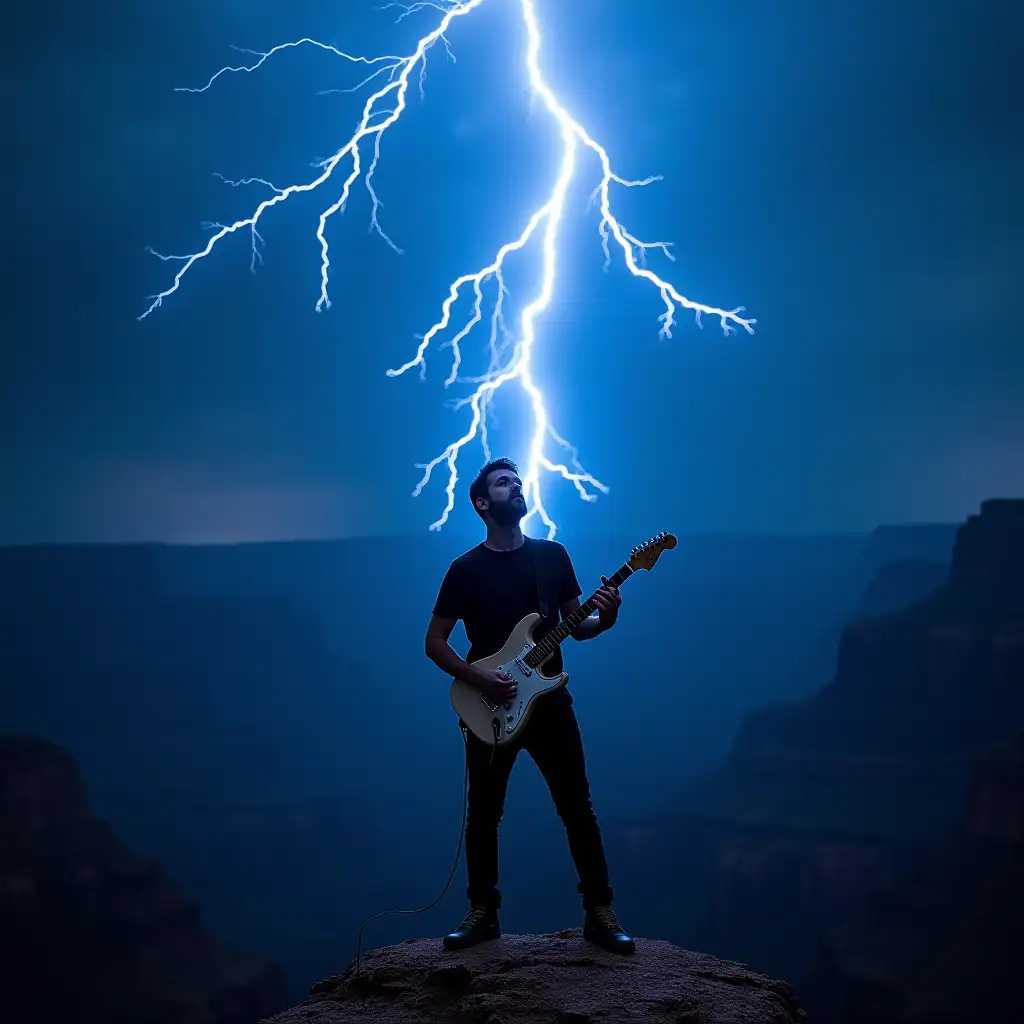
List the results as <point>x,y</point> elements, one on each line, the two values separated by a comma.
<point>645,556</point>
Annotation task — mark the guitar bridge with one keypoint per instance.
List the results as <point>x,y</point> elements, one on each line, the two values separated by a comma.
<point>488,703</point>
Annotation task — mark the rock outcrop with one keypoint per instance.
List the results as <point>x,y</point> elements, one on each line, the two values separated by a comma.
<point>825,801</point>
<point>545,979</point>
<point>92,933</point>
<point>946,944</point>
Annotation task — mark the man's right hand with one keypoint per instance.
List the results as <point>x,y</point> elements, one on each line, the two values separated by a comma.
<point>498,685</point>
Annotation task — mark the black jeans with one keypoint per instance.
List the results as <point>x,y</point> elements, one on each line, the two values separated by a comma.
<point>552,738</point>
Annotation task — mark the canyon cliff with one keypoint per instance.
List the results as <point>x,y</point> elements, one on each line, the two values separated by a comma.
<point>91,932</point>
<point>825,801</point>
<point>945,944</point>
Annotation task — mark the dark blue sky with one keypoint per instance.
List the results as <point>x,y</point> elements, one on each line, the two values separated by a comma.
<point>849,171</point>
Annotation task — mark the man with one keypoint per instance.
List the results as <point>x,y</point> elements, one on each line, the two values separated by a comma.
<point>491,588</point>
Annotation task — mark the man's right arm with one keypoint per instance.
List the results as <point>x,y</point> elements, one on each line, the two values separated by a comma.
<point>441,653</point>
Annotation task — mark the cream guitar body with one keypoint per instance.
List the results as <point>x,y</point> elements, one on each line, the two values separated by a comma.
<point>523,659</point>
<point>501,723</point>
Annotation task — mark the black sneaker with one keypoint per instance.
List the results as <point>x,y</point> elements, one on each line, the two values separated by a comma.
<point>479,925</point>
<point>602,927</point>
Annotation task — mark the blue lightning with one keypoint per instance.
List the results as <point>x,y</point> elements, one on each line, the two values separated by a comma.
<point>383,109</point>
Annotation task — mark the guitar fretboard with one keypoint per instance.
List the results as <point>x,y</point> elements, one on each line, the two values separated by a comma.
<point>546,647</point>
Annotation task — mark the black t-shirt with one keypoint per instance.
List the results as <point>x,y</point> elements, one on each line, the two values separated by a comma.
<point>491,591</point>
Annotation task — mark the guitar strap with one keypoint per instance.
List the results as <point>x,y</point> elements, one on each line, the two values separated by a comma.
<point>548,587</point>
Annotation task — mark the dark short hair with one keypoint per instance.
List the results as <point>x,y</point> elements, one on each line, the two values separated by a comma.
<point>478,488</point>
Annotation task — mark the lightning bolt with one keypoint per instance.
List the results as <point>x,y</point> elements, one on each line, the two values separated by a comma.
<point>510,353</point>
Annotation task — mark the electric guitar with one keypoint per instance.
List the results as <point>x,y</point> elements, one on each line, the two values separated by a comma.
<point>523,659</point>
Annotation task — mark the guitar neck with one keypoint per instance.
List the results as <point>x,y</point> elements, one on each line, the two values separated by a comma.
<point>552,640</point>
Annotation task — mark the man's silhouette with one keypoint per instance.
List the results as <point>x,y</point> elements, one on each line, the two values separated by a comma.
<point>491,588</point>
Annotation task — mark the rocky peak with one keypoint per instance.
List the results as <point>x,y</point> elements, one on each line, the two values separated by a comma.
<point>555,979</point>
<point>988,558</point>
<point>41,793</point>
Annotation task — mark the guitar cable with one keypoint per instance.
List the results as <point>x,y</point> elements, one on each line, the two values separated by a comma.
<point>455,864</point>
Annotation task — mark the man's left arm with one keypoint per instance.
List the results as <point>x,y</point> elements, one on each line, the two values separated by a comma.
<point>607,599</point>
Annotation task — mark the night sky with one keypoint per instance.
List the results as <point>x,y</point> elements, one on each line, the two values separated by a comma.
<point>847,170</point>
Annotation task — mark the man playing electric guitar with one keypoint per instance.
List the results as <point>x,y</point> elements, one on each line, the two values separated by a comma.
<point>491,587</point>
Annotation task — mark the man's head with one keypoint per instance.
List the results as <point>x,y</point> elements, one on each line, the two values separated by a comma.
<point>497,492</point>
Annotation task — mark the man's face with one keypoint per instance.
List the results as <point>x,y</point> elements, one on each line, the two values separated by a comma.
<point>506,504</point>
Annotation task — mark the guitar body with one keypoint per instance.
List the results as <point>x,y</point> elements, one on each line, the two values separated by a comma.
<point>498,724</point>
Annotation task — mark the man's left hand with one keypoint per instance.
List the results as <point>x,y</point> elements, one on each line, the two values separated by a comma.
<point>608,601</point>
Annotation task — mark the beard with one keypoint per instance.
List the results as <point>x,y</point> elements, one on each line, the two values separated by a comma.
<point>508,513</point>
